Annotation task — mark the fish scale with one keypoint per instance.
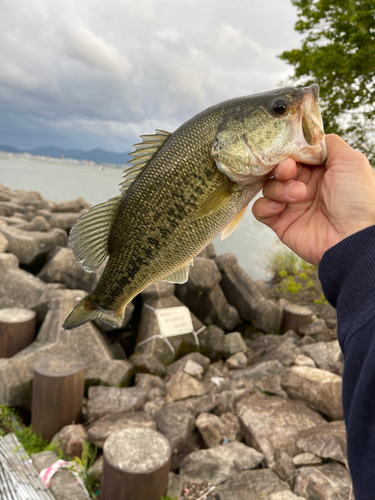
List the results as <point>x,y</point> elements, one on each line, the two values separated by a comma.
<point>183,189</point>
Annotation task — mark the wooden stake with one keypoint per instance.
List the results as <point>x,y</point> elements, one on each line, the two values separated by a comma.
<point>17,330</point>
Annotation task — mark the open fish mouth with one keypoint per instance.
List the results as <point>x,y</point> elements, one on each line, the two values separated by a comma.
<point>307,129</point>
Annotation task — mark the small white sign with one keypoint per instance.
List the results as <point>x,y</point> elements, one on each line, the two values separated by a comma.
<point>174,321</point>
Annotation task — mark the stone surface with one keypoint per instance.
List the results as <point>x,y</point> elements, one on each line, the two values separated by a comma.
<point>283,495</point>
<point>220,463</point>
<point>98,432</point>
<point>211,342</point>
<point>271,423</point>
<point>264,288</point>
<point>268,317</point>
<point>181,386</point>
<point>251,485</point>
<point>3,243</point>
<point>326,482</point>
<point>158,290</point>
<point>105,400</point>
<point>327,355</point>
<point>236,361</point>
<point>39,223</point>
<point>284,467</point>
<point>69,206</point>
<point>210,428</point>
<point>71,438</point>
<point>194,369</point>
<point>234,343</point>
<point>320,389</point>
<point>294,316</point>
<point>204,275</point>
<point>64,268</point>
<point>302,360</point>
<point>258,371</point>
<point>239,289</point>
<point>63,484</point>
<point>328,313</point>
<point>179,365</point>
<point>65,220</point>
<point>327,441</point>
<point>16,373</point>
<point>176,422</point>
<point>306,459</point>
<point>147,363</point>
<point>29,246</point>
<point>146,382</point>
<point>283,350</point>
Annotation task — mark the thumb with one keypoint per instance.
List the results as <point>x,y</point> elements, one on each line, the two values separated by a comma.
<point>340,153</point>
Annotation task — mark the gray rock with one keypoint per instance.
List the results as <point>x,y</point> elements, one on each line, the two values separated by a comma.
<point>294,316</point>
<point>181,386</point>
<point>39,223</point>
<point>176,422</point>
<point>328,313</point>
<point>16,373</point>
<point>326,482</point>
<point>283,495</point>
<point>258,371</point>
<point>63,484</point>
<point>304,459</point>
<point>283,350</point>
<point>3,243</point>
<point>146,382</point>
<point>220,463</point>
<point>30,246</point>
<point>65,220</point>
<point>147,363</point>
<point>283,466</point>
<point>268,317</point>
<point>105,400</point>
<point>316,326</point>
<point>98,432</point>
<point>179,365</point>
<point>175,485</point>
<point>327,356</point>
<point>210,428</point>
<point>8,261</point>
<point>69,206</point>
<point>234,343</point>
<point>271,424</point>
<point>271,384</point>
<point>194,369</point>
<point>302,360</point>
<point>71,439</point>
<point>239,289</point>
<point>204,275</point>
<point>252,485</point>
<point>231,428</point>
<point>264,288</point>
<point>64,268</point>
<point>327,440</point>
<point>236,361</point>
<point>211,342</point>
<point>320,389</point>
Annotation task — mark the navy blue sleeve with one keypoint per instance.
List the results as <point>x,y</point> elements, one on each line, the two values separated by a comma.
<point>347,274</point>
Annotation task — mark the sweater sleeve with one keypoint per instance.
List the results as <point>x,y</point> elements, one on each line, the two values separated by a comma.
<point>347,274</point>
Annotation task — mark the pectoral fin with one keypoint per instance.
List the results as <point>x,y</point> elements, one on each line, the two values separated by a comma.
<point>233,224</point>
<point>217,200</point>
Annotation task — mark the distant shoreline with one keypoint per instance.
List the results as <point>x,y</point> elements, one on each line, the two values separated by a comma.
<point>4,155</point>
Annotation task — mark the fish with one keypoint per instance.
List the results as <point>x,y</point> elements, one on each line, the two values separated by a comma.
<point>185,188</point>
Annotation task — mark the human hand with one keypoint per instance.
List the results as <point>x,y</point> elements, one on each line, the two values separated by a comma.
<point>313,208</point>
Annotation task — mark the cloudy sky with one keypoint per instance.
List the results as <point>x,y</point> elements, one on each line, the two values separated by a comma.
<point>97,73</point>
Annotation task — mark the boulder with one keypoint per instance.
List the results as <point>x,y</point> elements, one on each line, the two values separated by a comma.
<point>284,467</point>
<point>304,459</point>
<point>31,246</point>
<point>65,220</point>
<point>98,432</point>
<point>176,422</point>
<point>302,360</point>
<point>71,439</point>
<point>320,389</point>
<point>63,484</point>
<point>105,400</point>
<point>327,440</point>
<point>239,289</point>
<point>236,361</point>
<point>215,430</point>
<point>203,276</point>
<point>194,369</point>
<point>146,382</point>
<point>283,350</point>
<point>39,223</point>
<point>329,314</point>
<point>268,317</point>
<point>271,424</point>
<point>258,371</point>
<point>220,463</point>
<point>181,386</point>
<point>69,206</point>
<point>326,355</point>
<point>211,342</point>
<point>147,363</point>
<point>234,343</point>
<point>326,482</point>
<point>252,485</point>
<point>180,364</point>
<point>16,373</point>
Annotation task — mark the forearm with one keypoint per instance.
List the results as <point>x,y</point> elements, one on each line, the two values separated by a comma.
<point>347,273</point>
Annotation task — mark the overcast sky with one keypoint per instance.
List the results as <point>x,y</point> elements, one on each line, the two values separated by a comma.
<point>97,73</point>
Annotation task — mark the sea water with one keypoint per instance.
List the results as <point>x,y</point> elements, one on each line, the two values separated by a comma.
<point>252,242</point>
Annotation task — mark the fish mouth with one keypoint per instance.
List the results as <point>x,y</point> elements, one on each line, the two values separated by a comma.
<point>308,131</point>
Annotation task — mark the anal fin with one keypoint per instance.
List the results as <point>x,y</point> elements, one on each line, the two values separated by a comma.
<point>233,224</point>
<point>180,276</point>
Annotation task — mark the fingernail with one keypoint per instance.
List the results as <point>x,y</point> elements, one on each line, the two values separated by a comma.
<point>293,190</point>
<point>275,205</point>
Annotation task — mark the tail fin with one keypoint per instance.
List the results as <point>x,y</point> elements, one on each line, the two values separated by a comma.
<point>86,311</point>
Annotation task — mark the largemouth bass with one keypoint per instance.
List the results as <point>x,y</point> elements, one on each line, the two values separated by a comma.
<point>185,188</point>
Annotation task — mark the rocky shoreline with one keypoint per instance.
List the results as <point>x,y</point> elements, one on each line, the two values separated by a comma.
<point>256,414</point>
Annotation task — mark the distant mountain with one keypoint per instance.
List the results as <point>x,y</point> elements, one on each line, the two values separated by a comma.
<point>96,155</point>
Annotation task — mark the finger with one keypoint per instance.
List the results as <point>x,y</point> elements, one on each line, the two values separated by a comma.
<point>286,192</point>
<point>267,211</point>
<point>285,170</point>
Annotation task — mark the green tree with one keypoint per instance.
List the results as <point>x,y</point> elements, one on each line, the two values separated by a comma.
<point>338,52</point>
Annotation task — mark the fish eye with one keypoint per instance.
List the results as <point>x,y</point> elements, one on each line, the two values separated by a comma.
<point>279,106</point>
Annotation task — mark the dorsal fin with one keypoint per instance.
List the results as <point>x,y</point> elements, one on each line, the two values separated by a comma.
<point>143,153</point>
<point>89,235</point>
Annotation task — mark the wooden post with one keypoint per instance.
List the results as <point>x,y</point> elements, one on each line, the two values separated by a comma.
<point>136,465</point>
<point>58,390</point>
<point>17,330</point>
